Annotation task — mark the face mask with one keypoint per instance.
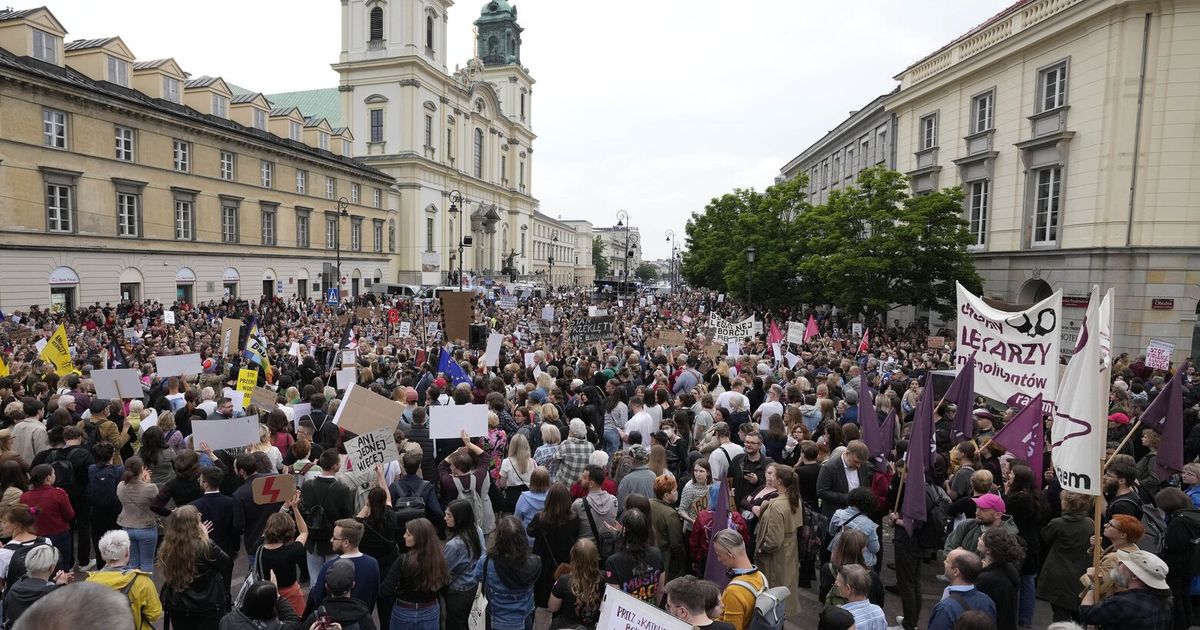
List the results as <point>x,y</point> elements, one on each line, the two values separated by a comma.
<point>670,432</point>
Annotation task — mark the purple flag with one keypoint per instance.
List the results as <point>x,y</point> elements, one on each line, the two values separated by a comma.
<point>713,571</point>
<point>868,420</point>
<point>1024,435</point>
<point>920,444</point>
<point>1165,415</point>
<point>887,432</point>
<point>962,394</point>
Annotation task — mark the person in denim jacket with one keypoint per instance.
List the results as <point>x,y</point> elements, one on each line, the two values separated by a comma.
<point>508,571</point>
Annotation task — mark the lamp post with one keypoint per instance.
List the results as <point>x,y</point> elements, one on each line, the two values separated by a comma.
<point>751,256</point>
<point>456,198</point>
<point>550,259</point>
<point>342,205</point>
<point>623,221</point>
<point>671,267</point>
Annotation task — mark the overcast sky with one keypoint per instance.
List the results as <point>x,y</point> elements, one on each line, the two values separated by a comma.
<point>651,106</point>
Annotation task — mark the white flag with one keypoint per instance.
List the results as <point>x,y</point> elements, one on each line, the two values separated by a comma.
<point>1079,433</point>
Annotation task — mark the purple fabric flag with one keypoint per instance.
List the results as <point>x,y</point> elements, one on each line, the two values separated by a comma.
<point>868,420</point>
<point>1165,415</point>
<point>713,570</point>
<point>887,432</point>
<point>962,394</point>
<point>920,444</point>
<point>1024,435</point>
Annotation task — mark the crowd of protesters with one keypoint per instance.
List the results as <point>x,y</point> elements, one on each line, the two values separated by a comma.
<point>606,462</point>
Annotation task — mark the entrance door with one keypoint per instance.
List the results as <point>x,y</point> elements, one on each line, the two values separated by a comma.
<point>62,299</point>
<point>131,292</point>
<point>183,293</point>
<point>354,287</point>
<point>231,290</point>
<point>302,289</point>
<point>268,288</point>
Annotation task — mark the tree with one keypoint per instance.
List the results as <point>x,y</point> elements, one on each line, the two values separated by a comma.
<point>646,272</point>
<point>599,260</point>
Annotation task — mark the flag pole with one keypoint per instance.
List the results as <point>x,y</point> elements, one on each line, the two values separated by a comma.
<point>1097,514</point>
<point>1120,446</point>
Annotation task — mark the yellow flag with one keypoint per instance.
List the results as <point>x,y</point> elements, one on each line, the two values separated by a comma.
<point>56,352</point>
<point>3,367</point>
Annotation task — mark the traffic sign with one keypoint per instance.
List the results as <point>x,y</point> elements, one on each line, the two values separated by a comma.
<point>331,296</point>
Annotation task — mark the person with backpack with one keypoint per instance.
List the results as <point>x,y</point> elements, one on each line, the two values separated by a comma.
<point>962,568</point>
<point>413,497</point>
<point>685,601</point>
<point>103,505</point>
<point>1180,549</point>
<point>746,581</point>
<point>464,475</point>
<point>18,523</point>
<point>79,459</point>
<point>52,509</point>
<point>137,586</point>
<point>1120,490</point>
<point>323,501</point>
<point>99,428</point>
<point>339,604</point>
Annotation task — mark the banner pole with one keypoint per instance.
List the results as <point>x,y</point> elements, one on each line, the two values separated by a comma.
<point>1120,446</point>
<point>1097,513</point>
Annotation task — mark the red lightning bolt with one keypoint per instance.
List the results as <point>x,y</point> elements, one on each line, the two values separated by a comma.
<point>269,490</point>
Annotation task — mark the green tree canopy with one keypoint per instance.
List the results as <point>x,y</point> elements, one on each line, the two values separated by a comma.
<point>646,272</point>
<point>599,260</point>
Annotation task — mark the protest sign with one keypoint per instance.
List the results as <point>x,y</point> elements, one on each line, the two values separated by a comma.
<point>371,448</point>
<point>294,349</point>
<point>237,398</point>
<point>795,332</point>
<point>299,411</point>
<point>346,377</point>
<point>1158,354</point>
<point>247,381</point>
<point>149,421</point>
<point>405,329</point>
<point>592,329</point>
<point>507,302</point>
<point>713,350</point>
<point>856,330</point>
<point>231,433</point>
<point>168,317</point>
<point>447,422</point>
<point>735,349</point>
<point>263,398</point>
<point>792,360</point>
<point>114,384</point>
<point>364,313</point>
<point>671,338</point>
<point>491,355</point>
<point>935,342</point>
<point>720,298</point>
<point>548,312</point>
<point>724,330</point>
<point>431,329</point>
<point>230,336</point>
<point>273,489</point>
<point>40,345</point>
<point>130,334</point>
<point>349,358</point>
<point>362,410</point>
<point>1016,348</point>
<point>178,365</point>
<point>621,611</point>
<point>529,359</point>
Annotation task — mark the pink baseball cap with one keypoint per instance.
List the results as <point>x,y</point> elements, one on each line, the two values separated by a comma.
<point>1119,418</point>
<point>990,502</point>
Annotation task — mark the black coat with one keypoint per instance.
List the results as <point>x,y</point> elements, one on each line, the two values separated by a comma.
<point>218,509</point>
<point>1001,582</point>
<point>831,484</point>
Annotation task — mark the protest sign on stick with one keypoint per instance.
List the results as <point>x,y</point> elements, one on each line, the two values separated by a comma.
<point>371,448</point>
<point>231,433</point>
<point>115,384</point>
<point>448,422</point>
<point>362,411</point>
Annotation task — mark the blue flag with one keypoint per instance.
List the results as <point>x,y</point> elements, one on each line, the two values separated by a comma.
<point>452,369</point>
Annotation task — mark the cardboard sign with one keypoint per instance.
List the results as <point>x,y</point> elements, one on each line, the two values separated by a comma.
<point>178,365</point>
<point>371,448</point>
<point>491,355</point>
<point>672,338</point>
<point>713,350</point>
<point>621,611</point>
<point>263,398</point>
<point>231,433</point>
<point>168,317</point>
<point>349,358</point>
<point>405,329</point>
<point>273,489</point>
<point>230,337</point>
<point>344,319</point>
<point>364,313</point>
<point>1158,354</point>
<point>346,377</point>
<point>115,384</point>
<point>935,342</point>
<point>363,411</point>
<point>448,422</point>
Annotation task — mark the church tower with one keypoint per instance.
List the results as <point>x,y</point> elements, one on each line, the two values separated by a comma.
<point>391,29</point>
<point>499,39</point>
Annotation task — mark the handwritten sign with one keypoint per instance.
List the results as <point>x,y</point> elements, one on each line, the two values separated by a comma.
<point>1158,354</point>
<point>725,330</point>
<point>168,317</point>
<point>548,312</point>
<point>592,329</point>
<point>934,342</point>
<point>795,332</point>
<point>230,329</point>
<point>621,611</point>
<point>263,398</point>
<point>507,302</point>
<point>405,329</point>
<point>374,447</point>
<point>247,381</point>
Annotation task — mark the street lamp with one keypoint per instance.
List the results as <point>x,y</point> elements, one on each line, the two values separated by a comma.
<point>550,258</point>
<point>623,221</point>
<point>751,256</point>
<point>342,204</point>
<point>456,198</point>
<point>671,268</point>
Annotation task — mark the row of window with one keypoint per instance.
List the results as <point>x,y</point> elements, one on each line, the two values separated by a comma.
<point>375,21</point>
<point>851,159</point>
<point>1047,201</point>
<point>61,210</point>
<point>54,135</point>
<point>377,134</point>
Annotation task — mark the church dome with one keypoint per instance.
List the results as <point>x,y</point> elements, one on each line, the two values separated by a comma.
<point>497,8</point>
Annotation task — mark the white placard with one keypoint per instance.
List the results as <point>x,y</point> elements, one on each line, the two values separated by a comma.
<point>299,411</point>
<point>778,353</point>
<point>346,377</point>
<point>621,611</point>
<point>720,298</point>
<point>591,311</point>
<point>131,333</point>
<point>431,329</point>
<point>40,344</point>
<point>792,360</point>
<point>168,317</point>
<point>405,329</point>
<point>491,354</point>
<point>149,421</point>
<point>294,349</point>
<point>349,358</point>
<point>795,333</point>
<point>856,330</point>
<point>548,312</point>
<point>232,433</point>
<point>507,302</point>
<point>178,365</point>
<point>113,384</point>
<point>369,449</point>
<point>238,398</point>
<point>620,303</point>
<point>530,359</point>
<point>447,422</point>
<point>735,350</point>
<point>1158,354</point>
<point>757,327</point>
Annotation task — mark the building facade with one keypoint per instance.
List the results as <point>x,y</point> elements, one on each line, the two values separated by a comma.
<point>622,249</point>
<point>125,179</point>
<point>562,251</point>
<point>459,144</point>
<point>1072,128</point>
<point>865,139</point>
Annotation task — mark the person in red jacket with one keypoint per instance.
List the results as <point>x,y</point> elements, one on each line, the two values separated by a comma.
<point>53,510</point>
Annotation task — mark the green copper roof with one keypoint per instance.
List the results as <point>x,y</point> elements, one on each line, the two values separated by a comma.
<point>323,103</point>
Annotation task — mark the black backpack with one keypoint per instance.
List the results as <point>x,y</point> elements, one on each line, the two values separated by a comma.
<point>408,505</point>
<point>16,564</point>
<point>64,471</point>
<point>102,486</point>
<point>91,432</point>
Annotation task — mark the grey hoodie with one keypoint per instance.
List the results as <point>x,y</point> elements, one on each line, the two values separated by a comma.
<point>604,510</point>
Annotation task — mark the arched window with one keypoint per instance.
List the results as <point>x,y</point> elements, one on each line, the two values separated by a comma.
<point>429,32</point>
<point>479,153</point>
<point>376,24</point>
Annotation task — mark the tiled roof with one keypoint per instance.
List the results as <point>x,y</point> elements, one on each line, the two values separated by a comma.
<point>84,44</point>
<point>9,14</point>
<point>323,103</point>
<point>76,82</point>
<point>202,81</point>
<point>244,97</point>
<point>150,64</point>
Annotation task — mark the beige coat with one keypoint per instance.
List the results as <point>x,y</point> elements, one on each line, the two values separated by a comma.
<point>775,550</point>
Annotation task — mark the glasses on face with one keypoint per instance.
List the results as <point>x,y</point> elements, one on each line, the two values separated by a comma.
<point>336,538</point>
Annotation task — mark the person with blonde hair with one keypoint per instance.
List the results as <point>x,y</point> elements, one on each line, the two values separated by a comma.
<point>545,454</point>
<point>575,597</point>
<point>191,565</point>
<point>265,446</point>
<point>515,471</point>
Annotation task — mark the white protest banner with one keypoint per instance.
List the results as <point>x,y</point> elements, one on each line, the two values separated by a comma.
<point>237,398</point>
<point>734,350</point>
<point>548,312</point>
<point>346,377</point>
<point>405,329</point>
<point>795,333</point>
<point>724,330</point>
<point>113,384</point>
<point>621,611</point>
<point>529,359</point>
<point>1079,431</point>
<point>856,330</point>
<point>298,413</point>
<point>601,312</point>
<point>1158,354</point>
<point>294,349</point>
<point>362,410</point>
<point>448,421</point>
<point>491,355</point>
<point>371,448</point>
<point>349,358</point>
<point>168,317</point>
<point>231,433</point>
<point>1016,351</point>
<point>507,302</point>
<point>178,365</point>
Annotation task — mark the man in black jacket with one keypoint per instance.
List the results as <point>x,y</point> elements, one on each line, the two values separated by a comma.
<point>419,435</point>
<point>338,604</point>
<point>323,501</point>
<point>217,509</point>
<point>248,516</point>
